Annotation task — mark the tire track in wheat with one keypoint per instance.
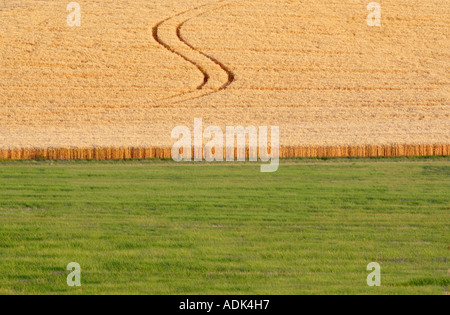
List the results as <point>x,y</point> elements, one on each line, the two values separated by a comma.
<point>168,33</point>
<point>231,75</point>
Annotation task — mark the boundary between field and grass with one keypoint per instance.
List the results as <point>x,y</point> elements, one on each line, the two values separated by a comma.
<point>126,153</point>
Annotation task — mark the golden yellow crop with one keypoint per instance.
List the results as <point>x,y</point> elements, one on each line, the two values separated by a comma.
<point>136,69</point>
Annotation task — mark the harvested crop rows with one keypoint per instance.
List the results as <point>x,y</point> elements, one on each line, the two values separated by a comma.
<point>116,86</point>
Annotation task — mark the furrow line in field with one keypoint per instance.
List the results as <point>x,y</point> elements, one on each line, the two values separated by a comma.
<point>216,76</point>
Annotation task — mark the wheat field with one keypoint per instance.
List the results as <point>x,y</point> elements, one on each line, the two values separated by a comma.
<point>117,85</point>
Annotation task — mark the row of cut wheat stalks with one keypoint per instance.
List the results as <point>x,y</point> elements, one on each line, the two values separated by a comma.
<point>121,153</point>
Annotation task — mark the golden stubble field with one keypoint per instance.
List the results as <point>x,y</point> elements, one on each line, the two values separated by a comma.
<point>136,69</point>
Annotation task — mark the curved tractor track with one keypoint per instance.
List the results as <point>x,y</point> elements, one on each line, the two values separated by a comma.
<point>216,75</point>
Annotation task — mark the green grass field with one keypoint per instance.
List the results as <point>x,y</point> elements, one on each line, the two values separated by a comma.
<point>157,227</point>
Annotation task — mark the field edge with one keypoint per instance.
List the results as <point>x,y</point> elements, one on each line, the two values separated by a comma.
<point>125,153</point>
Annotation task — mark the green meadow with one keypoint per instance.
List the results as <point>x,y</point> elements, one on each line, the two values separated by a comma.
<point>160,227</point>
